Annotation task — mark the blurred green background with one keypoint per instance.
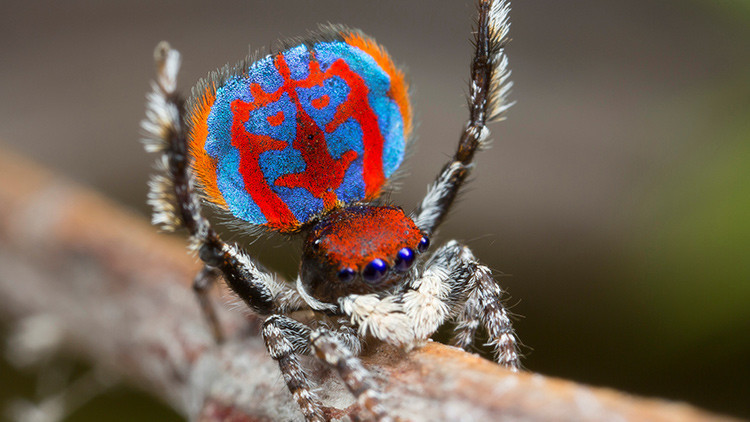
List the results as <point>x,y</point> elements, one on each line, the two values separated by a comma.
<point>614,204</point>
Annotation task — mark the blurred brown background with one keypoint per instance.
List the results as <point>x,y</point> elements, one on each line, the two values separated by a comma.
<point>615,200</point>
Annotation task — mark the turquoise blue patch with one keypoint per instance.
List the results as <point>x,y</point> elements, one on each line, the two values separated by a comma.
<point>279,120</point>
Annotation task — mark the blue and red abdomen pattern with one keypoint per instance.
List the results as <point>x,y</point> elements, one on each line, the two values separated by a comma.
<point>302,132</point>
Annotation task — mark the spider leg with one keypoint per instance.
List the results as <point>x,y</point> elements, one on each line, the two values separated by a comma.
<point>332,348</point>
<point>487,102</point>
<point>204,280</point>
<point>176,202</point>
<point>467,324</point>
<point>454,284</point>
<point>285,340</point>
<point>484,304</point>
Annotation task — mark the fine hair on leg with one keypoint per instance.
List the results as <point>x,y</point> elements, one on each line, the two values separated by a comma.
<point>329,347</point>
<point>488,91</point>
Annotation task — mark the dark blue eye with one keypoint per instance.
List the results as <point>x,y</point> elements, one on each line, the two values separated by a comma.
<point>423,244</point>
<point>346,274</point>
<point>375,270</point>
<point>404,259</point>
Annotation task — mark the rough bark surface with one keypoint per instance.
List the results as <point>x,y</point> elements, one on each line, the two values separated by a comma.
<point>120,295</point>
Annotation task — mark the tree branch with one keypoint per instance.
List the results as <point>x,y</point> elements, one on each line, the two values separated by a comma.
<point>119,293</point>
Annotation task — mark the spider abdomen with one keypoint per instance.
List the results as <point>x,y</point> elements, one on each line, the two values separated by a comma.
<point>300,132</point>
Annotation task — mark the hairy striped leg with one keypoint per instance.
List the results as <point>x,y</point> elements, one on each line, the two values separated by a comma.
<point>487,103</point>
<point>454,285</point>
<point>177,204</point>
<point>332,348</point>
<point>485,304</point>
<point>287,339</point>
<point>482,306</point>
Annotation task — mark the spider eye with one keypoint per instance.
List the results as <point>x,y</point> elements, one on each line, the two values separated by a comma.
<point>375,270</point>
<point>424,243</point>
<point>346,274</point>
<point>316,245</point>
<point>404,259</point>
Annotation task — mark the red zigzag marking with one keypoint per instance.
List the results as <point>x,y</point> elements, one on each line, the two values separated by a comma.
<point>323,174</point>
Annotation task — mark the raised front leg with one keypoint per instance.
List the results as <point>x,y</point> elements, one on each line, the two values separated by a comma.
<point>177,204</point>
<point>487,102</point>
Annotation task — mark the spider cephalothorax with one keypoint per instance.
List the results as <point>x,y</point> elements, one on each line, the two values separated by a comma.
<point>303,142</point>
<point>358,250</point>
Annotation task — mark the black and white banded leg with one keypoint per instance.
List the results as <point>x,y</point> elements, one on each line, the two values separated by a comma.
<point>332,348</point>
<point>487,103</point>
<point>485,304</point>
<point>454,285</point>
<point>480,305</point>
<point>287,339</point>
